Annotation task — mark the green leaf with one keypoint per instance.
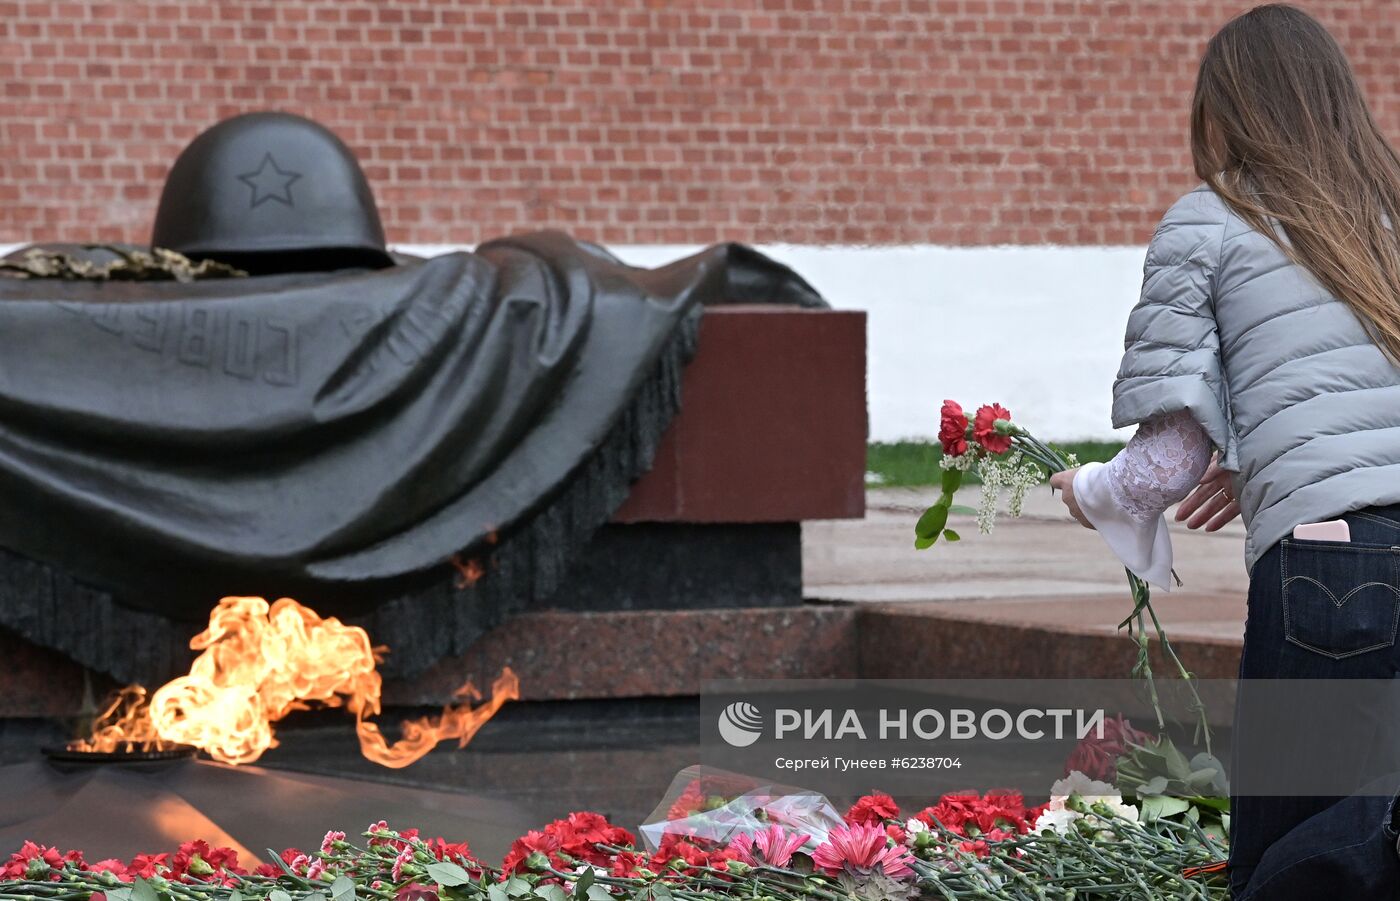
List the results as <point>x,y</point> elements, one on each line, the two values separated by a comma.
<point>1220,804</point>
<point>118,894</point>
<point>951,535</point>
<point>314,896</point>
<point>551,892</point>
<point>598,893</point>
<point>932,522</point>
<point>497,892</point>
<point>962,510</point>
<point>447,873</point>
<point>141,890</point>
<point>952,480</point>
<point>234,895</point>
<point>923,544</point>
<point>1160,807</point>
<point>517,887</point>
<point>581,885</point>
<point>1154,786</point>
<point>343,889</point>
<point>278,895</point>
<point>660,892</point>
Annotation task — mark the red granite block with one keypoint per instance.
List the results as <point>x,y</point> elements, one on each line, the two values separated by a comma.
<point>772,425</point>
<point>906,641</point>
<point>562,655</point>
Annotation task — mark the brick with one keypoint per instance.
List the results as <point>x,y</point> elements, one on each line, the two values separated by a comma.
<point>808,121</point>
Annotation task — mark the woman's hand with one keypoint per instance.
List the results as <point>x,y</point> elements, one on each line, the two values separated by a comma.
<point>1212,503</point>
<point>1064,482</point>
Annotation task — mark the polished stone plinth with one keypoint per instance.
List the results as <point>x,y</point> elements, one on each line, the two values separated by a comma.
<point>120,811</point>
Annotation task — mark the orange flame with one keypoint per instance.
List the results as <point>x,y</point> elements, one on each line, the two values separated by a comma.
<point>124,725</point>
<point>259,663</point>
<point>421,735</point>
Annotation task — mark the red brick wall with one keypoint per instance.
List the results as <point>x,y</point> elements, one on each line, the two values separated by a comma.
<point>644,121</point>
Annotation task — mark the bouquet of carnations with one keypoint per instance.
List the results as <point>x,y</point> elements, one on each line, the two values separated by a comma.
<point>1006,456</point>
<point>795,847</point>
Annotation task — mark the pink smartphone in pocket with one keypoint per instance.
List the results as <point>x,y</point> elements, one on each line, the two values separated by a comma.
<point>1333,530</point>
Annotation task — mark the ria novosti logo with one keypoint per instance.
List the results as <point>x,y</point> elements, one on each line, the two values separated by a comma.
<point>740,724</point>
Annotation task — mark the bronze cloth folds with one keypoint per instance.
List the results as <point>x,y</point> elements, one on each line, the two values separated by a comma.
<point>334,437</point>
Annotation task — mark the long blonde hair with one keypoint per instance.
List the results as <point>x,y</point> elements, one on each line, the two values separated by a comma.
<point>1280,130</point>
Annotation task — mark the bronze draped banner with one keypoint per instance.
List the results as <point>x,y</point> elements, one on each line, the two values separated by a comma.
<point>336,438</point>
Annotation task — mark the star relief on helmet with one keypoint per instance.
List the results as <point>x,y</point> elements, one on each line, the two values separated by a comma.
<point>269,182</point>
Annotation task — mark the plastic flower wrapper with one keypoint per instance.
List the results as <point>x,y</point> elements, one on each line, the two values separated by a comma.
<point>711,805</point>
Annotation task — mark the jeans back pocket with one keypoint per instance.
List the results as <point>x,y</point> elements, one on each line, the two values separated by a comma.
<point>1340,599</point>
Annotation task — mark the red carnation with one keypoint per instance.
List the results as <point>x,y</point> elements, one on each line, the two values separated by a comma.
<point>527,844</point>
<point>690,802</point>
<point>148,865</point>
<point>952,430</point>
<point>1097,757</point>
<point>111,865</point>
<point>33,861</point>
<point>984,428</point>
<point>873,810</point>
<point>455,852</point>
<point>967,813</point>
<point>683,852</point>
<point>627,865</point>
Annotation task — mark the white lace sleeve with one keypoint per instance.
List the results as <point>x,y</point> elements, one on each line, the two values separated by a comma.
<point>1161,464</point>
<point>1124,499</point>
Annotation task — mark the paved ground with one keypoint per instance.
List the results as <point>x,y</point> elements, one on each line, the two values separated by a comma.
<point>1041,569</point>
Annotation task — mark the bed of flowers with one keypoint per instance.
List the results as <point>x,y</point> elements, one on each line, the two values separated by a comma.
<point>1087,841</point>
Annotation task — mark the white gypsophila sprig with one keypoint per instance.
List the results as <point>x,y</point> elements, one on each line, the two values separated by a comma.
<point>1013,472</point>
<point>994,478</point>
<point>962,462</point>
<point>1024,476</point>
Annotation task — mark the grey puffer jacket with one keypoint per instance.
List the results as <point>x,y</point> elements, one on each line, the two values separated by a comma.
<point>1303,405</point>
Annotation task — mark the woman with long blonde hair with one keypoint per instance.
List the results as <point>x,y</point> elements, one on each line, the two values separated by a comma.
<point>1269,332</point>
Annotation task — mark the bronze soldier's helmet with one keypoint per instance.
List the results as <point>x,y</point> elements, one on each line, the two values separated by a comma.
<point>271,192</point>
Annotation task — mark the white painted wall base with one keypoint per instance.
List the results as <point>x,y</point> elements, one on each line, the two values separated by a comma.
<point>1039,329</point>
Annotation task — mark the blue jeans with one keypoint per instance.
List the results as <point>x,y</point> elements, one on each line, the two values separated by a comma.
<point>1322,610</point>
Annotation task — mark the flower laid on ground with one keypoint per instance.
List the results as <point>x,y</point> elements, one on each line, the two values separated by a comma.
<point>862,849</point>
<point>1007,457</point>
<point>1097,756</point>
<point>37,863</point>
<point>772,847</point>
<point>873,810</point>
<point>971,814</point>
<point>1075,796</point>
<point>691,801</point>
<point>963,845</point>
<point>866,863</point>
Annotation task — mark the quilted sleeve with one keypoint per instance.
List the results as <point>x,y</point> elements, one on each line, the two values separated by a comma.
<point>1172,360</point>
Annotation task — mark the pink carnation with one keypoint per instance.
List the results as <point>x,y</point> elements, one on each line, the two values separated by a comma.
<point>773,846</point>
<point>860,848</point>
